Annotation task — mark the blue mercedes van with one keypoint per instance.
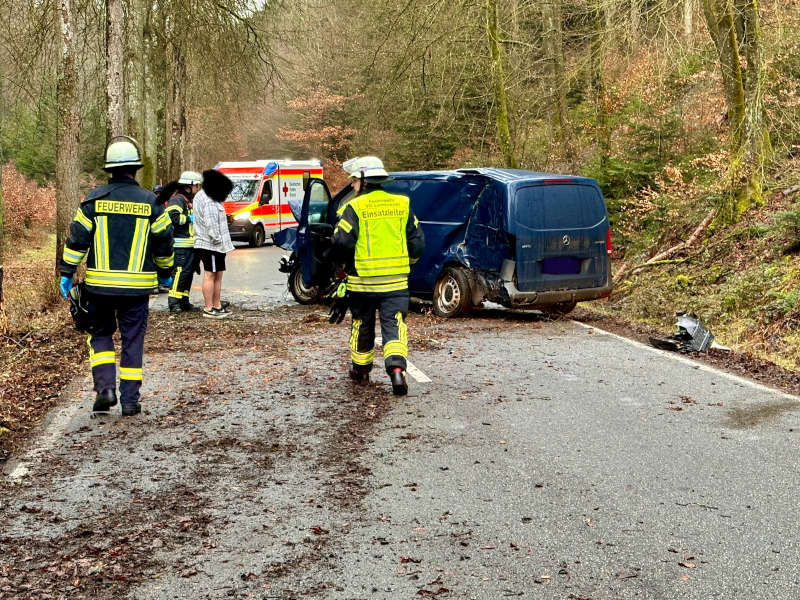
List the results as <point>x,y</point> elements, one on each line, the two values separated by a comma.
<point>516,238</point>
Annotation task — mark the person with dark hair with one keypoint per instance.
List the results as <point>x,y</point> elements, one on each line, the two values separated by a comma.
<point>179,208</point>
<point>212,240</point>
<point>383,237</point>
<point>126,238</point>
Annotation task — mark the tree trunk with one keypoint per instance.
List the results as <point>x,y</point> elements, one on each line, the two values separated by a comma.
<point>2,162</point>
<point>558,79</point>
<point>757,138</point>
<point>498,80</point>
<point>155,69</point>
<point>688,19</point>
<point>3,319</point>
<point>636,23</point>
<point>68,127</point>
<point>600,35</point>
<point>140,90</point>
<point>115,80</point>
<point>176,112</point>
<point>735,27</point>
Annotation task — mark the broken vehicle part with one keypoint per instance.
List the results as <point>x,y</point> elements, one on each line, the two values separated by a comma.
<point>692,335</point>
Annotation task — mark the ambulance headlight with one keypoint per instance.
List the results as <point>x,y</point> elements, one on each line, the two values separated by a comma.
<point>242,216</point>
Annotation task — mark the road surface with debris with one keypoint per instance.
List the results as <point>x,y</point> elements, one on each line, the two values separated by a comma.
<point>543,459</point>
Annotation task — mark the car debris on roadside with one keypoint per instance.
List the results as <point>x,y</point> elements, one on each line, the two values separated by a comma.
<point>692,336</point>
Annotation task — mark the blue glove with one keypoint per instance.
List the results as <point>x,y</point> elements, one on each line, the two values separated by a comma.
<point>165,282</point>
<point>65,285</point>
<point>191,218</point>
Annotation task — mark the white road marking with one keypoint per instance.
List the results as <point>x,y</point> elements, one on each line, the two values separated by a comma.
<point>19,471</point>
<point>696,364</point>
<point>418,375</point>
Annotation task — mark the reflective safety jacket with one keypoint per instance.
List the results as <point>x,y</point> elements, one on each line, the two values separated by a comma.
<point>386,238</point>
<point>179,210</point>
<point>125,236</point>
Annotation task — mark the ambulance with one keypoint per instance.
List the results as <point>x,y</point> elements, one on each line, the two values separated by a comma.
<point>258,205</point>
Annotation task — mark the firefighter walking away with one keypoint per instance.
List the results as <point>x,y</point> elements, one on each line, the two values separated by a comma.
<point>126,238</point>
<point>382,237</point>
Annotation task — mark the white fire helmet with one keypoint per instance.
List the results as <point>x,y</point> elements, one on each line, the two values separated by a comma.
<point>190,178</point>
<point>366,166</point>
<point>122,151</point>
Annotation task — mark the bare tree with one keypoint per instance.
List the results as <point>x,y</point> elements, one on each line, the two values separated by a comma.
<point>499,85</point>
<point>142,99</point>
<point>688,19</point>
<point>635,22</point>
<point>115,81</point>
<point>176,111</point>
<point>554,41</point>
<point>68,126</point>
<point>735,27</point>
<point>3,317</point>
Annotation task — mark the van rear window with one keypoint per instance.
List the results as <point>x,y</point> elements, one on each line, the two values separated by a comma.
<point>560,206</point>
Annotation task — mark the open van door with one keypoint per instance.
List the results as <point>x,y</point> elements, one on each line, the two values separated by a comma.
<point>314,230</point>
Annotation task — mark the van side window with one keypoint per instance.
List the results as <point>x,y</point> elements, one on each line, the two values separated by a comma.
<point>437,199</point>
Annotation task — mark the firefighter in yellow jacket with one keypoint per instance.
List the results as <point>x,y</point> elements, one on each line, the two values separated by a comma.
<point>126,238</point>
<point>179,208</point>
<point>385,238</point>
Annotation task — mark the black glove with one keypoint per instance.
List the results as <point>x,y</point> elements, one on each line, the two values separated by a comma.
<point>341,302</point>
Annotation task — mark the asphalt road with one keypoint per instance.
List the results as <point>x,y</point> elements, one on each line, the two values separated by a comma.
<point>251,281</point>
<point>543,460</point>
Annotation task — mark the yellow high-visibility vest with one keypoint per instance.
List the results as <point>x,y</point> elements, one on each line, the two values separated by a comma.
<point>381,252</point>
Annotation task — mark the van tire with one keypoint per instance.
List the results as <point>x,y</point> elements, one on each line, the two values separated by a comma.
<point>257,237</point>
<point>452,295</point>
<point>298,289</point>
<point>559,309</point>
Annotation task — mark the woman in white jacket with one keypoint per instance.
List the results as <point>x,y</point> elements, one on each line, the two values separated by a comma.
<point>212,240</point>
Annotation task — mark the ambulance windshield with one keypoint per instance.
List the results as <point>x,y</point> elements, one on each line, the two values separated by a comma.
<point>244,190</point>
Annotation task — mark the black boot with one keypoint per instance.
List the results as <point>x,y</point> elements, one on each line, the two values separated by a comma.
<point>399,383</point>
<point>104,401</point>
<point>129,410</point>
<point>359,374</point>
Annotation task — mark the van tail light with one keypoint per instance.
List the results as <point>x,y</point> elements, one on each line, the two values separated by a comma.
<point>609,247</point>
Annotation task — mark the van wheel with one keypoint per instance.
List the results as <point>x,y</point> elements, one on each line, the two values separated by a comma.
<point>257,237</point>
<point>301,293</point>
<point>452,296</point>
<point>559,309</point>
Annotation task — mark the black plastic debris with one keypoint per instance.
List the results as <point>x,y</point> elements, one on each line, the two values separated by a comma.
<point>692,336</point>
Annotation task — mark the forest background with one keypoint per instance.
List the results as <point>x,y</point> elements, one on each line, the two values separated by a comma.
<point>686,111</point>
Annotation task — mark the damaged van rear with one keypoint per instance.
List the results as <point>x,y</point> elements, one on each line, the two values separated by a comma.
<point>517,238</point>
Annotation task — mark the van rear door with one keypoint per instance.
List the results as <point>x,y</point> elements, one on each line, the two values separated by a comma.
<point>561,228</point>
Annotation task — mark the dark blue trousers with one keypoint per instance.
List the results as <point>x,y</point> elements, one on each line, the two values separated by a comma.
<point>129,313</point>
<point>182,282</point>
<point>393,310</point>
